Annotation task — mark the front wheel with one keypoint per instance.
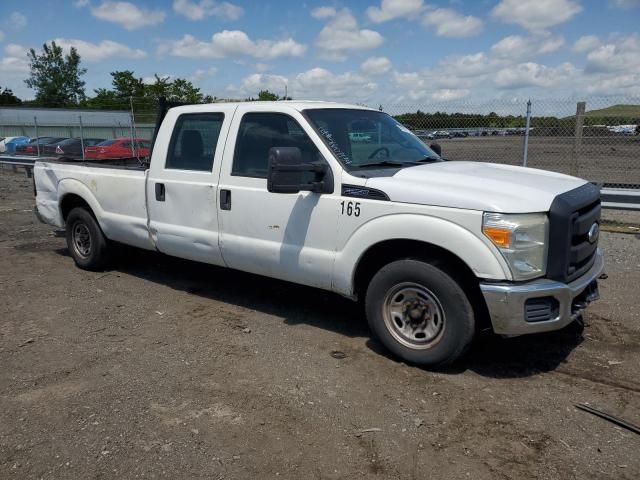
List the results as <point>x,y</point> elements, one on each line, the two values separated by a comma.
<point>85,240</point>
<point>420,313</point>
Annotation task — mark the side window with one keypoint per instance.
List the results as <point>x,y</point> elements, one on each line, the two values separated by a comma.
<point>258,133</point>
<point>194,140</point>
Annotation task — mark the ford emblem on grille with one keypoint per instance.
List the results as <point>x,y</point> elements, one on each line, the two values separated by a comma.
<point>594,231</point>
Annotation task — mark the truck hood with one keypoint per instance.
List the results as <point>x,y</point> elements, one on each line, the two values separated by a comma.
<point>476,186</point>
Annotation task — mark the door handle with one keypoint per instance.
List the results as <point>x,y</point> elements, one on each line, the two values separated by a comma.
<point>225,199</point>
<point>160,192</point>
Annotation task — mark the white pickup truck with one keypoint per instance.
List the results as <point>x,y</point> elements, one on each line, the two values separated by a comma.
<point>436,249</point>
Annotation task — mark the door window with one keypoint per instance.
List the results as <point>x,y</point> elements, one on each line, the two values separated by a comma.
<point>258,133</point>
<point>194,140</point>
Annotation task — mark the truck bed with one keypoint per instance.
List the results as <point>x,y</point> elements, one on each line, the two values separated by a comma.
<point>129,163</point>
<point>114,190</point>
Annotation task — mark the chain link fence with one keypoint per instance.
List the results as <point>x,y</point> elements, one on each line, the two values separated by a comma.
<point>597,139</point>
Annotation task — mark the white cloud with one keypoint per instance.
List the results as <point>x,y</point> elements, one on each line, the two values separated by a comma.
<point>448,94</point>
<point>532,74</point>
<point>516,47</point>
<point>342,34</point>
<point>231,43</point>
<point>449,23</point>
<point>207,8</point>
<point>586,43</point>
<point>390,9</point>
<point>202,73</point>
<point>17,20</point>
<point>323,12</point>
<point>628,84</point>
<point>315,83</point>
<point>127,15</point>
<point>94,52</point>
<point>262,67</point>
<point>14,68</point>
<point>619,55</point>
<point>376,65</point>
<point>536,15</point>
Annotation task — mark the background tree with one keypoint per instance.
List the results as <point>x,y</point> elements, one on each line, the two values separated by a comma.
<point>56,77</point>
<point>8,98</point>
<point>266,95</point>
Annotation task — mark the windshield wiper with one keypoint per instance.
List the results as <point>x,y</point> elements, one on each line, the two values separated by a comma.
<point>384,163</point>
<point>428,159</point>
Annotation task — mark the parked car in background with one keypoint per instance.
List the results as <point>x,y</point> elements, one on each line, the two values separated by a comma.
<point>460,134</point>
<point>70,147</point>
<point>439,134</point>
<point>35,144</point>
<point>118,148</point>
<point>8,144</point>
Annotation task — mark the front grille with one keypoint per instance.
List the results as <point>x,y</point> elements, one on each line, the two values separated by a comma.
<point>582,251</point>
<point>571,216</point>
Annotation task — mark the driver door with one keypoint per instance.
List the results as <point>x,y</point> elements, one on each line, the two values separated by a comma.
<point>287,236</point>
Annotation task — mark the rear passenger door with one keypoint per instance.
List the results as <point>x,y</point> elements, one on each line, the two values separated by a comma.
<point>183,183</point>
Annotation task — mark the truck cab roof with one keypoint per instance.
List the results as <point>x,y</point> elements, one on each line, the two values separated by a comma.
<point>298,105</point>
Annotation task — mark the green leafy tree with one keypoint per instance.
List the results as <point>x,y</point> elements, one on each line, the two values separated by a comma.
<point>267,96</point>
<point>184,91</point>
<point>56,77</point>
<point>126,84</point>
<point>8,98</point>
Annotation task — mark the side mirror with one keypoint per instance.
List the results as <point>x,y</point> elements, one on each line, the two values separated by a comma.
<point>287,174</point>
<point>436,148</point>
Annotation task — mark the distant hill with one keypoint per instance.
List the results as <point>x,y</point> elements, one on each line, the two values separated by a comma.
<point>615,111</point>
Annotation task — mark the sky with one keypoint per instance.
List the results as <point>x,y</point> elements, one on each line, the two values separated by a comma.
<point>402,52</point>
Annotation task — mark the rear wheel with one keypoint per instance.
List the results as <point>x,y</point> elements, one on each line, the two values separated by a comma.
<point>86,242</point>
<point>420,313</point>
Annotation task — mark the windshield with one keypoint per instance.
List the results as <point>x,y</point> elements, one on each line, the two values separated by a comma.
<point>368,139</point>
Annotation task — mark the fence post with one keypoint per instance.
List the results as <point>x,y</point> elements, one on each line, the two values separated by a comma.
<point>134,143</point>
<point>577,143</point>
<point>81,136</point>
<point>35,124</point>
<point>133,152</point>
<point>525,148</point>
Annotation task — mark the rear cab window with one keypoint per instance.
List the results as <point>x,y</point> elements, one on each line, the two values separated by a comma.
<point>193,141</point>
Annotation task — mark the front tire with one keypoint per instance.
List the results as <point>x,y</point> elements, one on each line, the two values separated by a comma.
<point>420,313</point>
<point>86,242</point>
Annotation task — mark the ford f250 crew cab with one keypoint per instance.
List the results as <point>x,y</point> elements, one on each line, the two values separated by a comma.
<point>346,199</point>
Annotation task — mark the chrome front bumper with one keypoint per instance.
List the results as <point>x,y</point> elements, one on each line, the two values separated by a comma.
<point>506,301</point>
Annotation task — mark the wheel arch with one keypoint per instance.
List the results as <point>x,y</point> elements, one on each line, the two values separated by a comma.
<point>72,194</point>
<point>387,251</point>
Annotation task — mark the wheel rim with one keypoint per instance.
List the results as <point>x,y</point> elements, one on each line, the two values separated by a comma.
<point>81,239</point>
<point>413,315</point>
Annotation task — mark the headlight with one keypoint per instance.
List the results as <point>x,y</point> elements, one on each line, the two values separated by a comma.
<point>522,239</point>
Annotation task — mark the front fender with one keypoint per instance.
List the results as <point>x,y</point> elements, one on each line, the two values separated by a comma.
<point>479,254</point>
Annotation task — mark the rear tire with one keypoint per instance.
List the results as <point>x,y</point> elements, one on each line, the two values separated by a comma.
<point>420,313</point>
<point>87,244</point>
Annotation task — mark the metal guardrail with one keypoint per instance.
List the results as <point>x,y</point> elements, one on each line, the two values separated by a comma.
<point>16,161</point>
<point>613,198</point>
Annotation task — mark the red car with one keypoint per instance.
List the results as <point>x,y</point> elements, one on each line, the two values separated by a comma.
<point>118,148</point>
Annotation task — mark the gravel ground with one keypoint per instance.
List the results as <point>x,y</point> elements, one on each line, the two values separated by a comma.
<point>163,368</point>
<point>614,159</point>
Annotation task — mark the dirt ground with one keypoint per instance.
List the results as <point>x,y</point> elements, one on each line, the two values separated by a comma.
<point>614,159</point>
<point>163,368</point>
